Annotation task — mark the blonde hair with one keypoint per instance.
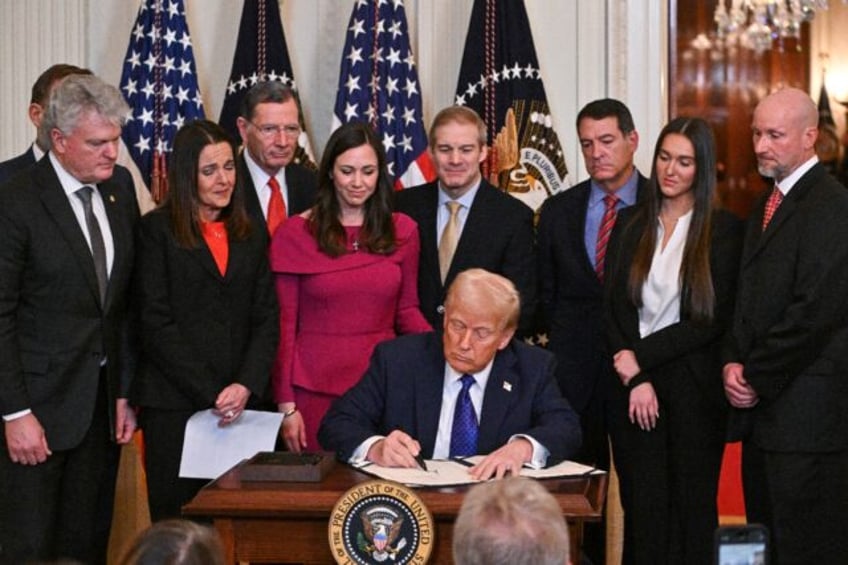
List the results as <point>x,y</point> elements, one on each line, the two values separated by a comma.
<point>513,521</point>
<point>483,288</point>
<point>461,115</point>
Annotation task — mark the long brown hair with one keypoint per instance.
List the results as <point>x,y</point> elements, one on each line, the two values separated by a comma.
<point>182,201</point>
<point>698,295</point>
<point>378,230</point>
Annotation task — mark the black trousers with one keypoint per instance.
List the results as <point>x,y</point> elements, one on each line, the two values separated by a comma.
<point>802,498</point>
<point>164,431</point>
<point>594,451</point>
<point>61,508</point>
<point>669,476</point>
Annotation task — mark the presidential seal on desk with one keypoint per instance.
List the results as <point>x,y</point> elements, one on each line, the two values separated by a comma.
<point>380,522</point>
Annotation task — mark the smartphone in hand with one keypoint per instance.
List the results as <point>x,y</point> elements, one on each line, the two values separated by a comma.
<point>742,545</point>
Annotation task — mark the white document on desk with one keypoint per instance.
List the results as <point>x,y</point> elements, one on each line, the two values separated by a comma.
<point>561,470</point>
<point>209,451</point>
<point>453,472</point>
<point>439,473</point>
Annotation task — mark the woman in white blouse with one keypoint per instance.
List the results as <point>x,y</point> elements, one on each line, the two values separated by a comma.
<point>671,272</point>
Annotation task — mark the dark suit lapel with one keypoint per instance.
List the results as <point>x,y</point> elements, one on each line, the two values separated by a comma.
<point>251,199</point>
<point>429,384</point>
<point>237,257</point>
<point>121,237</point>
<point>203,255</point>
<point>474,232</point>
<point>500,390</point>
<point>428,235</point>
<point>298,198</point>
<point>56,203</point>
<point>577,227</point>
<point>756,239</point>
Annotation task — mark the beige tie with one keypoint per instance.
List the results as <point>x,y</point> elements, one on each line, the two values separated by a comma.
<point>450,237</point>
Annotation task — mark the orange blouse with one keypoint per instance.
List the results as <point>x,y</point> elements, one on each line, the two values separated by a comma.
<point>215,234</point>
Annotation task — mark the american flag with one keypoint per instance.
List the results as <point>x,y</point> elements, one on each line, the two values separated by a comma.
<point>500,78</point>
<point>261,54</point>
<point>378,83</point>
<point>159,82</point>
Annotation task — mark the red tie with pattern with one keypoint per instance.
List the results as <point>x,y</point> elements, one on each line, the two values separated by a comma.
<point>607,223</point>
<point>276,206</point>
<point>773,202</point>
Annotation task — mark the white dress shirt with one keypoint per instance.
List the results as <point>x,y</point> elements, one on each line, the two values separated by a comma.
<point>661,291</point>
<point>786,184</point>
<point>260,183</point>
<point>450,392</point>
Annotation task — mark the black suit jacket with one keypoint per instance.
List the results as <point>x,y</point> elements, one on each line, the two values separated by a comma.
<point>53,330</point>
<point>571,296</point>
<point>497,236</point>
<point>688,353</point>
<point>402,389</point>
<point>301,186</point>
<point>16,164</point>
<point>790,327</point>
<point>201,331</point>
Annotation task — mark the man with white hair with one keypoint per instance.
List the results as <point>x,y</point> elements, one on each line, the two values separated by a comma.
<point>511,522</point>
<point>65,351</point>
<point>473,390</point>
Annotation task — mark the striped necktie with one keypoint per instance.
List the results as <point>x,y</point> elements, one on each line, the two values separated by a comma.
<point>607,223</point>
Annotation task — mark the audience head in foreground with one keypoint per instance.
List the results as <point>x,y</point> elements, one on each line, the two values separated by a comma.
<point>511,522</point>
<point>176,542</point>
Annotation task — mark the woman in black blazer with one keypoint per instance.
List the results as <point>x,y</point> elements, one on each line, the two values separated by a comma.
<point>671,272</point>
<point>206,306</point>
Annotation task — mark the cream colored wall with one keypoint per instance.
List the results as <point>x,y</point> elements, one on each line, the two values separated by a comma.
<point>586,48</point>
<point>829,58</point>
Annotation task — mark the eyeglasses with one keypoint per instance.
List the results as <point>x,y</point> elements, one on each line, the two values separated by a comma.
<point>269,131</point>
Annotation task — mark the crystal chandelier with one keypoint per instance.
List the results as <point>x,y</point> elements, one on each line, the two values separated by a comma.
<point>755,24</point>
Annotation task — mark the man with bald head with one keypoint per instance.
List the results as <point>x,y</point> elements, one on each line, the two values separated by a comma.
<point>785,372</point>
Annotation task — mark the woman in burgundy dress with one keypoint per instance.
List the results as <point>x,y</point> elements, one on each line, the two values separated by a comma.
<point>345,273</point>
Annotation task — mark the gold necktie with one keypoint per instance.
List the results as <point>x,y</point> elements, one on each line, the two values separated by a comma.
<point>450,237</point>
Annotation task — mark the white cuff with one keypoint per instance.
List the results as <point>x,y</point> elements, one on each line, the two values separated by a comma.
<point>16,415</point>
<point>360,454</point>
<point>539,457</point>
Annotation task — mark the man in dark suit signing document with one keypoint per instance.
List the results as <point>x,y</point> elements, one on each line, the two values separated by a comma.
<point>472,390</point>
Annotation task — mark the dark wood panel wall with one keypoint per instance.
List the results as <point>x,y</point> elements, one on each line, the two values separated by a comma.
<point>722,83</point>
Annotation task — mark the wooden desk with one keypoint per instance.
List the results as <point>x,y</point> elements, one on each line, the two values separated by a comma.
<point>270,522</point>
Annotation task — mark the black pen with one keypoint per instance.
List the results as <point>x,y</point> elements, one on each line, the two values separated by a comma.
<point>418,458</point>
<point>420,461</point>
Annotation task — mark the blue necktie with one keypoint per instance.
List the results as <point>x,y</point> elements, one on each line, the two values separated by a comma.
<point>464,430</point>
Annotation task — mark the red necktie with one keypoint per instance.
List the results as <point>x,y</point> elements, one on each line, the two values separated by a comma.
<point>607,223</point>
<point>276,207</point>
<point>773,202</point>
